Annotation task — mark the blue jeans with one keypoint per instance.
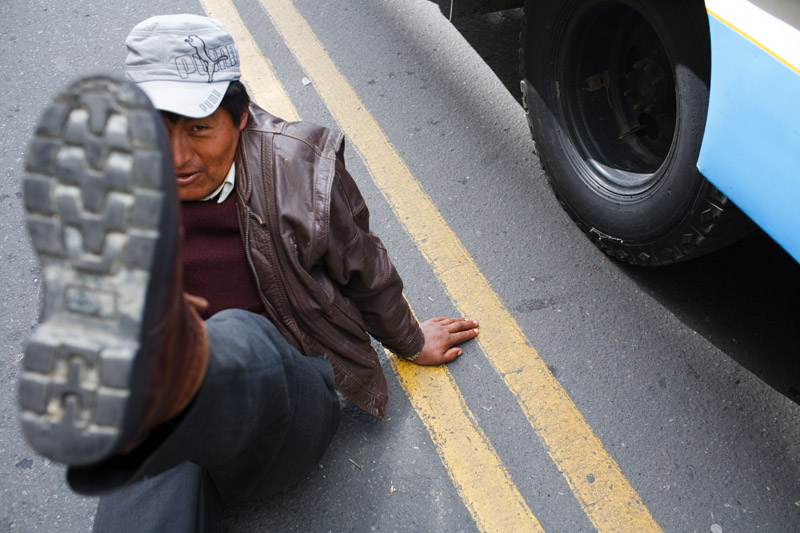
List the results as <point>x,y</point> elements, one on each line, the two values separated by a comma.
<point>261,420</point>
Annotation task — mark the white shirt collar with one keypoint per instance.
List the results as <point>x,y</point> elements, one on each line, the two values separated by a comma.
<point>225,188</point>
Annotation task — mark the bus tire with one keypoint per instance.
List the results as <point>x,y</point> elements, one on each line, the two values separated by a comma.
<point>616,94</point>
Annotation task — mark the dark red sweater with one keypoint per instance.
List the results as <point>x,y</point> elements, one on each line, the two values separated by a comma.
<point>214,262</point>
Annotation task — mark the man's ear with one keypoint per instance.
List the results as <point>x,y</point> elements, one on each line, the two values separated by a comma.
<point>243,121</point>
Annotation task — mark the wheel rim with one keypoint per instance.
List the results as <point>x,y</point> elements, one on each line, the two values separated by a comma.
<point>619,101</point>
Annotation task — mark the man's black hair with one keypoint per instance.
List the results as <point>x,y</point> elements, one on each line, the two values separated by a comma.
<point>235,102</point>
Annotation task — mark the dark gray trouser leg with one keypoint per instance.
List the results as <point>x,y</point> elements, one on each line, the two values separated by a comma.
<point>261,420</point>
<point>181,499</point>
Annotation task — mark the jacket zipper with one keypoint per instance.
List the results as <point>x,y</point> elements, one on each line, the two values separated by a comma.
<point>252,265</point>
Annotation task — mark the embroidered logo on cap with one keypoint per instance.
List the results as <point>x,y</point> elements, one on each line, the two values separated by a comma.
<point>205,60</point>
<point>202,54</point>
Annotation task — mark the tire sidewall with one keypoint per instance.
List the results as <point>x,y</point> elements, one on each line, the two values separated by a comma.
<point>663,209</point>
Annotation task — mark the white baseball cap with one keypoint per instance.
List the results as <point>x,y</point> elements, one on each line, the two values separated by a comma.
<point>184,63</point>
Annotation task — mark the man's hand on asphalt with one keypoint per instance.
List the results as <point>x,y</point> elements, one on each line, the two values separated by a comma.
<point>441,337</point>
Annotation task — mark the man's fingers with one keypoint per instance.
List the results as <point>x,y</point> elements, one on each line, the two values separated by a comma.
<point>451,354</point>
<point>461,324</point>
<point>460,330</point>
<point>462,336</point>
<point>442,337</point>
<point>452,323</point>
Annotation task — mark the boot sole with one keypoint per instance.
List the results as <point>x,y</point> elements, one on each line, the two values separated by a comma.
<point>100,200</point>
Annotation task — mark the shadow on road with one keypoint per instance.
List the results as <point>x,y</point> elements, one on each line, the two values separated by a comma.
<point>743,299</point>
<point>495,36</point>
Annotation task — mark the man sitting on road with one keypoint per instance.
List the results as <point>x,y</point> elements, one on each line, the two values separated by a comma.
<point>178,401</point>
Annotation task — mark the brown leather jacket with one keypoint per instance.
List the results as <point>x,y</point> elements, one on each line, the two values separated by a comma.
<point>325,279</point>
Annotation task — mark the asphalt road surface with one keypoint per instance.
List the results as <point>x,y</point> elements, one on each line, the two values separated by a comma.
<point>598,397</point>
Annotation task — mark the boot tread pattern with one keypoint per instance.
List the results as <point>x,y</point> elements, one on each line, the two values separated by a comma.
<point>94,199</point>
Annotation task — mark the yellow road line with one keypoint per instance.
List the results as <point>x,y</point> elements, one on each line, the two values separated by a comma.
<point>257,71</point>
<point>473,465</point>
<point>605,494</point>
<point>480,478</point>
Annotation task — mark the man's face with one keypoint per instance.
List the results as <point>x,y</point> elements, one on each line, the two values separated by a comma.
<point>202,151</point>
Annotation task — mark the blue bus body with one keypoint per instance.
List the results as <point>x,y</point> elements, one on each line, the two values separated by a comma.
<point>751,146</point>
